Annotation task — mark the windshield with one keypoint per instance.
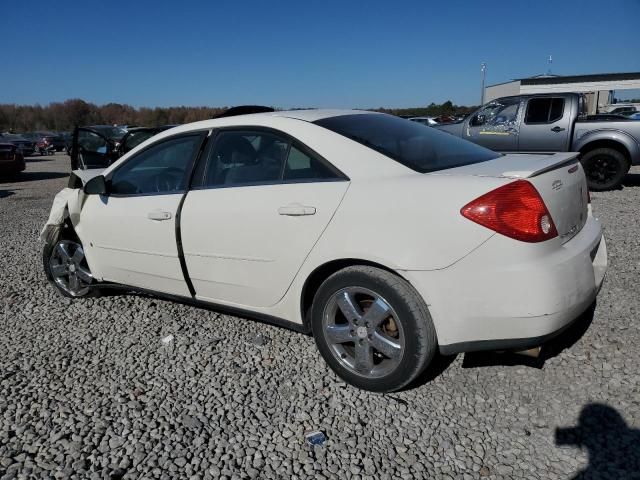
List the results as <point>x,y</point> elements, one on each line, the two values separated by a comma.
<point>112,133</point>
<point>423,149</point>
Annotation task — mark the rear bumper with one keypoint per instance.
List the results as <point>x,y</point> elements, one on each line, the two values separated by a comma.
<point>509,295</point>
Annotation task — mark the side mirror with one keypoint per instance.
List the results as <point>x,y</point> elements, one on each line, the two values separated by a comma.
<point>478,120</point>
<point>96,186</point>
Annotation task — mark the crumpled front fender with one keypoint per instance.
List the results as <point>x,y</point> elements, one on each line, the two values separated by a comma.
<point>66,204</point>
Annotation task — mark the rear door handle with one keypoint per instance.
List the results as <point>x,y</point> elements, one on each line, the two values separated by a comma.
<point>557,129</point>
<point>296,210</point>
<point>159,215</point>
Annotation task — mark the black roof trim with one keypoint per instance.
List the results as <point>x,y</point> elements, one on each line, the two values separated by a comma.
<point>244,110</point>
<point>596,77</point>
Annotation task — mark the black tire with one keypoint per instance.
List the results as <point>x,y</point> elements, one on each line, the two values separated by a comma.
<point>65,235</point>
<point>413,318</point>
<point>605,168</point>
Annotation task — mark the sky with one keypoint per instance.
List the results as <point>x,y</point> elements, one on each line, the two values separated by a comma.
<point>303,53</point>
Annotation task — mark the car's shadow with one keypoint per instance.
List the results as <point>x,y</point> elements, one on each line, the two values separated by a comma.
<point>43,158</point>
<point>6,193</point>
<point>32,177</point>
<point>631,180</point>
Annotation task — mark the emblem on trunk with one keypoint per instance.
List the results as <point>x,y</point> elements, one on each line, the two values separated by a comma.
<point>557,184</point>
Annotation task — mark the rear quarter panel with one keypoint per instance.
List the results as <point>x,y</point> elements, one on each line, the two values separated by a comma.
<point>405,223</point>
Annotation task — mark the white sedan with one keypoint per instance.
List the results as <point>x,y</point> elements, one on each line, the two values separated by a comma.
<point>386,240</point>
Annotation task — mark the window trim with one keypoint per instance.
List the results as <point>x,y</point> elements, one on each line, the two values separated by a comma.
<point>548,122</point>
<point>204,134</point>
<point>198,183</point>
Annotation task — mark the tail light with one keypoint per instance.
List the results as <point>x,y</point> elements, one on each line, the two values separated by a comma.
<point>515,210</point>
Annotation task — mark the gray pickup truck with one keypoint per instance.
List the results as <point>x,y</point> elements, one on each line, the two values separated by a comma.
<point>555,123</point>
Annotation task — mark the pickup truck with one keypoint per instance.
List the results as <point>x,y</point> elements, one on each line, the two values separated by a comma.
<point>555,123</point>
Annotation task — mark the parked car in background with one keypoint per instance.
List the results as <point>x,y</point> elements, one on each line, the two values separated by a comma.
<point>635,116</point>
<point>606,117</point>
<point>24,144</point>
<point>257,213</point>
<point>11,159</point>
<point>623,110</point>
<point>49,144</point>
<point>555,123</point>
<point>113,133</point>
<point>95,147</point>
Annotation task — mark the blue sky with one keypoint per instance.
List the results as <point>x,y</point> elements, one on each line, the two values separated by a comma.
<point>302,53</point>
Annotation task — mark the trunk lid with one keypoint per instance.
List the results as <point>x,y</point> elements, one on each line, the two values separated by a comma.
<point>558,177</point>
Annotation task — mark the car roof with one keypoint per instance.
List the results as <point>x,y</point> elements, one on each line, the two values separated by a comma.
<point>263,118</point>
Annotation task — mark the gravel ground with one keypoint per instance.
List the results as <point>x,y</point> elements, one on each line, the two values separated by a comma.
<point>88,389</point>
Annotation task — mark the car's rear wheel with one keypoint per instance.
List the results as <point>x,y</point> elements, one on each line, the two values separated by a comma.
<point>372,328</point>
<point>67,269</point>
<point>605,168</point>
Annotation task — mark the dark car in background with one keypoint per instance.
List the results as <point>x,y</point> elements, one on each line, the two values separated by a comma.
<point>11,159</point>
<point>101,145</point>
<point>24,144</point>
<point>113,133</point>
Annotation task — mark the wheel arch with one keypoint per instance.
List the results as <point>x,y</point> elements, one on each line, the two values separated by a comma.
<point>619,144</point>
<point>324,271</point>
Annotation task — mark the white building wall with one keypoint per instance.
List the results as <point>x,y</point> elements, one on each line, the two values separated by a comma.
<point>502,90</point>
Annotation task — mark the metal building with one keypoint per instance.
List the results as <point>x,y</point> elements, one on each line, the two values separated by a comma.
<point>598,87</point>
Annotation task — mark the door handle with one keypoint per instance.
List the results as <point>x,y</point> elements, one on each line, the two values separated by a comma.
<point>159,215</point>
<point>296,210</point>
<point>557,129</point>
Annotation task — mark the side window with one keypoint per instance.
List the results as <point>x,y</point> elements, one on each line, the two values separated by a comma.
<point>245,158</point>
<point>255,157</point>
<point>544,110</point>
<point>162,168</point>
<point>497,115</point>
<point>301,166</point>
<point>91,142</point>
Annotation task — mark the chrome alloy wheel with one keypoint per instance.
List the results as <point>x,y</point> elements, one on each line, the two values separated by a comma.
<point>69,268</point>
<point>363,332</point>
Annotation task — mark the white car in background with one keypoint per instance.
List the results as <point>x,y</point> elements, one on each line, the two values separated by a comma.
<point>386,240</point>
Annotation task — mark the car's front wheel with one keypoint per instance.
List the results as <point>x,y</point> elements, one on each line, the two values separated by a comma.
<point>372,328</point>
<point>67,269</point>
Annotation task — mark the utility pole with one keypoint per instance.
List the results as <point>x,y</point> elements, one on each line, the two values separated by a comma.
<point>550,62</point>
<point>483,71</point>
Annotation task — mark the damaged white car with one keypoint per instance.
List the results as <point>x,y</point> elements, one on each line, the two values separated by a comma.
<point>386,240</point>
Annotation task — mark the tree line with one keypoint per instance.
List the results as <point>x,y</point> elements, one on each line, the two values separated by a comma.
<point>64,116</point>
<point>447,108</point>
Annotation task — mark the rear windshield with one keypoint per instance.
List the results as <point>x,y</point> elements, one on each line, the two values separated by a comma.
<point>421,148</point>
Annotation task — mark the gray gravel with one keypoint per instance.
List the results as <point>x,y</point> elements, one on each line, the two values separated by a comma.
<point>89,389</point>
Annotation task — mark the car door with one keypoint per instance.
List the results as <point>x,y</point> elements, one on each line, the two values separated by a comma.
<point>546,125</point>
<point>259,202</point>
<point>496,125</point>
<point>131,231</point>
<point>90,149</point>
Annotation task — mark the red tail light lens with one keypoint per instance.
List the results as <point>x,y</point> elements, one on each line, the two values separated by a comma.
<point>515,210</point>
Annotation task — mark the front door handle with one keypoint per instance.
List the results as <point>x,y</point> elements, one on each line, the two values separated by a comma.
<point>159,215</point>
<point>296,210</point>
<point>557,129</point>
